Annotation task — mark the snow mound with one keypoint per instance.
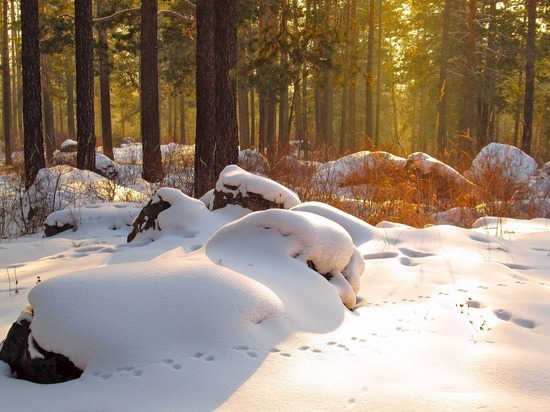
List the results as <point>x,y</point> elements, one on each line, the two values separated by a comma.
<point>286,236</point>
<point>113,216</point>
<point>508,161</point>
<point>238,183</point>
<point>359,230</point>
<point>103,318</point>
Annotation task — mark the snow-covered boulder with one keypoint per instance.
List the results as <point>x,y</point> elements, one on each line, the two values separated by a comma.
<point>236,186</point>
<point>253,161</point>
<point>112,216</point>
<point>505,161</point>
<point>68,146</point>
<point>106,167</point>
<point>171,213</point>
<point>358,168</point>
<point>289,238</point>
<point>29,361</point>
<point>439,177</point>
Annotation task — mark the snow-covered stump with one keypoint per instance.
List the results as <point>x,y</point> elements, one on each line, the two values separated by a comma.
<point>236,186</point>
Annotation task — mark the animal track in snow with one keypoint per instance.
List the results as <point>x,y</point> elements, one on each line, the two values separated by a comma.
<point>507,317</point>
<point>203,356</point>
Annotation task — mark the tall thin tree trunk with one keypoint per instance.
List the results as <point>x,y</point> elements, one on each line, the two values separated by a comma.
<point>32,99</point>
<point>85,120</point>
<point>369,78</point>
<point>244,117</point>
<point>104,83</point>
<point>205,178</point>
<point>47,105</point>
<point>378,75</point>
<point>352,128</point>
<point>252,117</point>
<point>283,110</point>
<point>71,127</point>
<point>442,104</point>
<point>527,135</point>
<point>149,93</point>
<point>6,85</point>
<point>17,90</point>
<point>468,118</point>
<point>183,123</point>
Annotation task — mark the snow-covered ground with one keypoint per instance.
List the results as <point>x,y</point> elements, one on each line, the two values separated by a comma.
<point>222,310</point>
<point>302,309</point>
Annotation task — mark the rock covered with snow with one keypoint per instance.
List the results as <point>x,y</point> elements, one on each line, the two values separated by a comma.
<point>359,164</point>
<point>170,212</point>
<point>112,216</point>
<point>446,181</point>
<point>507,161</point>
<point>315,242</point>
<point>106,167</point>
<point>29,361</point>
<point>236,186</point>
<point>68,146</point>
<point>253,161</point>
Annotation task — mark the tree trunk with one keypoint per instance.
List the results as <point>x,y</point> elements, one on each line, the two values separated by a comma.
<point>527,135</point>
<point>17,90</point>
<point>71,128</point>
<point>225,39</point>
<point>6,85</point>
<point>352,128</point>
<point>442,104</point>
<point>149,93</point>
<point>283,110</point>
<point>244,118</point>
<point>368,77</point>
<point>32,100</point>
<point>85,121</point>
<point>468,118</point>
<point>49,130</point>
<point>378,75</point>
<point>104,83</point>
<point>183,138</point>
<point>252,118</point>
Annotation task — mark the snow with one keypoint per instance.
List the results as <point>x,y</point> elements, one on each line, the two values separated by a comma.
<point>508,160</point>
<point>220,310</point>
<point>235,180</point>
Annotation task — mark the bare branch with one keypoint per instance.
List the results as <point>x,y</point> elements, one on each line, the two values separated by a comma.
<point>137,9</point>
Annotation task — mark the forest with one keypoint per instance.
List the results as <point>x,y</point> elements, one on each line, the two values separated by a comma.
<point>443,77</point>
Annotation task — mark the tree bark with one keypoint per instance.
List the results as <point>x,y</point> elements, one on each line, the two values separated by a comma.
<point>183,139</point>
<point>149,94</point>
<point>49,130</point>
<point>71,128</point>
<point>6,85</point>
<point>442,104</point>
<point>527,135</point>
<point>104,83</point>
<point>205,178</point>
<point>368,77</point>
<point>85,121</point>
<point>32,99</point>
<point>468,118</point>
